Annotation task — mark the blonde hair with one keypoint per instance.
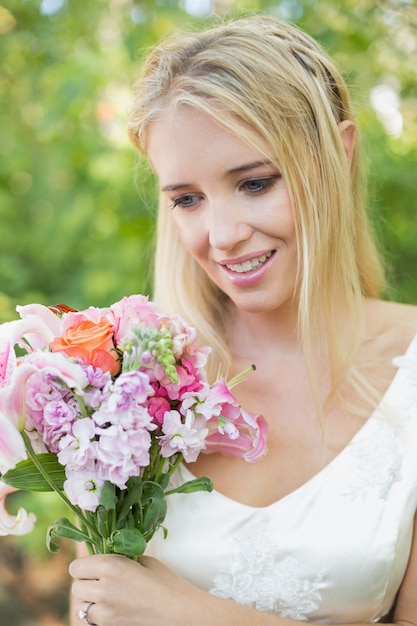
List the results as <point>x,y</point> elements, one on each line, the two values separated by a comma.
<point>269,76</point>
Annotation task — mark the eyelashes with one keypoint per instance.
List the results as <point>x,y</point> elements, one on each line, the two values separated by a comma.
<point>187,201</point>
<point>258,185</point>
<point>252,186</point>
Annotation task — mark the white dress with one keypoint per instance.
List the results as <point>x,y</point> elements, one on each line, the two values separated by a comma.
<point>334,550</point>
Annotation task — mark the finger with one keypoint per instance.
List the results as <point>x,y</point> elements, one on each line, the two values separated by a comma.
<point>88,566</point>
<point>86,590</point>
<point>149,562</point>
<point>81,608</point>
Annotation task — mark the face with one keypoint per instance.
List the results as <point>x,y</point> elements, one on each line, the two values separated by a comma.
<point>230,206</point>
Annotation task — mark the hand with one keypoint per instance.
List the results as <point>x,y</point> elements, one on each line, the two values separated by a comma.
<point>129,593</point>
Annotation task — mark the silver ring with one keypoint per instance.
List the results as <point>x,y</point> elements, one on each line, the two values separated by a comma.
<point>83,614</point>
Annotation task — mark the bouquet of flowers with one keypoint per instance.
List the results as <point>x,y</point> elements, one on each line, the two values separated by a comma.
<point>101,406</point>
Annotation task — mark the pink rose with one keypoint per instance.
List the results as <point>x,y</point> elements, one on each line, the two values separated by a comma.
<point>132,311</point>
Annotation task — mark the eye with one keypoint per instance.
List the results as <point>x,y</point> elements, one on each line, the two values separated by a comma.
<point>187,201</point>
<point>258,185</point>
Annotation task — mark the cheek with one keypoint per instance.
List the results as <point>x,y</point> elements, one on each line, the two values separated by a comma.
<point>190,233</point>
<point>278,222</point>
<point>276,217</point>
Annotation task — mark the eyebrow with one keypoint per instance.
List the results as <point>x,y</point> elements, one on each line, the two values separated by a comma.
<point>234,170</point>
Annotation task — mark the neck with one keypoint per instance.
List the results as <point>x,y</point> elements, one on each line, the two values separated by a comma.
<point>254,334</point>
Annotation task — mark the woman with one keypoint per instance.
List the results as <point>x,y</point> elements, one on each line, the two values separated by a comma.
<point>264,246</point>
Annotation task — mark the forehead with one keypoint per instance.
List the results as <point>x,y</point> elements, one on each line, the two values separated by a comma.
<point>185,136</point>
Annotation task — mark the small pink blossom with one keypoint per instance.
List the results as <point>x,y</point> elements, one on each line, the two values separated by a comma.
<point>58,418</point>
<point>129,388</point>
<point>42,365</point>
<point>84,489</point>
<point>157,407</point>
<point>122,453</point>
<point>219,401</point>
<point>77,450</point>
<point>185,436</point>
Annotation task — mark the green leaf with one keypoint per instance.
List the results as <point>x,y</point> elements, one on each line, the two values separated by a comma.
<point>63,528</point>
<point>151,489</point>
<point>131,496</point>
<point>197,484</point>
<point>27,476</point>
<point>164,480</point>
<point>108,497</point>
<point>155,513</point>
<point>128,541</point>
<point>103,521</point>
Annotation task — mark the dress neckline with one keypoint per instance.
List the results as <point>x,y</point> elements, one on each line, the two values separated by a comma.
<point>378,413</point>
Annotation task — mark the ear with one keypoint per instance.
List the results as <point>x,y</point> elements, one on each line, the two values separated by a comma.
<point>347,130</point>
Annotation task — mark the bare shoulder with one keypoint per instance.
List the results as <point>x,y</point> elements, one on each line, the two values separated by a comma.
<point>395,312</point>
<point>391,323</point>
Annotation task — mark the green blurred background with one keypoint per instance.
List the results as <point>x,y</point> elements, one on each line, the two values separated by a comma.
<point>77,214</point>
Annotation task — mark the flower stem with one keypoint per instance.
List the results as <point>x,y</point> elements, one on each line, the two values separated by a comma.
<point>174,466</point>
<point>240,377</point>
<point>34,457</point>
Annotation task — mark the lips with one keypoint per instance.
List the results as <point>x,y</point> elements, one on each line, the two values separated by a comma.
<point>249,265</point>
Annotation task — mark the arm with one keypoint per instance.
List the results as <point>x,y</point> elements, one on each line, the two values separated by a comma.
<point>127,593</point>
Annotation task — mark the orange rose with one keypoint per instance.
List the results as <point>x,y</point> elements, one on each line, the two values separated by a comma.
<point>92,343</point>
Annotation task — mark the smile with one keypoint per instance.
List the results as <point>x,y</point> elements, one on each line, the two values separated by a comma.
<point>248,266</point>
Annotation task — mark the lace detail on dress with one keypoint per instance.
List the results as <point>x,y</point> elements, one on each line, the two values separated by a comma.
<point>254,576</point>
<point>376,462</point>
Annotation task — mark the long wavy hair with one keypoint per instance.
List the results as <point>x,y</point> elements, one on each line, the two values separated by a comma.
<point>266,75</point>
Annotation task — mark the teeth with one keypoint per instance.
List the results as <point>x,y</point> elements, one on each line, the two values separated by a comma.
<point>248,266</point>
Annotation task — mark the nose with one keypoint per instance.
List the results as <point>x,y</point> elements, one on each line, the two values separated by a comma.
<point>229,225</point>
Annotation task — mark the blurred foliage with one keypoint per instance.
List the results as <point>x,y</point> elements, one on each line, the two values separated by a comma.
<point>76,227</point>
<point>76,213</point>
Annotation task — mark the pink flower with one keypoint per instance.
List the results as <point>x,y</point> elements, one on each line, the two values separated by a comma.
<point>220,401</point>
<point>130,388</point>
<point>7,361</point>
<point>122,453</point>
<point>13,396</point>
<point>84,489</point>
<point>114,394</point>
<point>74,318</point>
<point>43,365</point>
<point>157,407</point>
<point>57,366</point>
<point>232,430</point>
<point>77,449</point>
<point>185,436</point>
<point>21,524</point>
<point>38,325</point>
<point>12,446</point>
<point>132,311</point>
<point>184,343</point>
<point>245,437</point>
